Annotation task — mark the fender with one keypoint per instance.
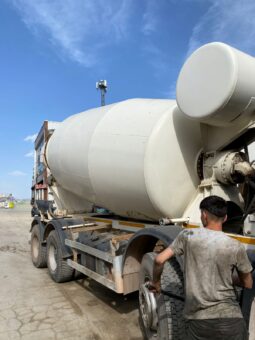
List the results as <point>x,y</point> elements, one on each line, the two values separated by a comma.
<point>141,243</point>
<point>57,224</point>
<point>37,221</point>
<point>144,240</point>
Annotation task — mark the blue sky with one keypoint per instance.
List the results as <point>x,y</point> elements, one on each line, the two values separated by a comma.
<point>53,52</point>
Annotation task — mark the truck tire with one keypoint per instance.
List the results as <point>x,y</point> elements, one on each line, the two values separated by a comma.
<point>170,323</point>
<point>170,309</point>
<point>57,266</point>
<point>38,250</point>
<point>145,310</point>
<point>251,322</point>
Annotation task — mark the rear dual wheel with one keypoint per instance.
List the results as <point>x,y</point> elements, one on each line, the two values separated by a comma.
<point>147,300</point>
<point>252,322</point>
<point>161,317</point>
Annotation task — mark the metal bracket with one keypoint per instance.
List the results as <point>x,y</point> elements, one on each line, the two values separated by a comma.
<point>89,250</point>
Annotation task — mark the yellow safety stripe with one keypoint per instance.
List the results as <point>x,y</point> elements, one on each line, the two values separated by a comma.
<point>190,226</point>
<point>99,220</point>
<point>132,224</point>
<point>125,223</point>
<point>242,239</point>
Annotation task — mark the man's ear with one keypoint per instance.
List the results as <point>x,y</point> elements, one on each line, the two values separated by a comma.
<point>225,218</point>
<point>205,217</point>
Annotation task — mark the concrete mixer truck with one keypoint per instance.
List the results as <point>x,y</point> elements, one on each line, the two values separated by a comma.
<point>148,163</point>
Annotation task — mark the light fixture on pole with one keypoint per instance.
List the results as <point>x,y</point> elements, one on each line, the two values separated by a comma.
<point>102,86</point>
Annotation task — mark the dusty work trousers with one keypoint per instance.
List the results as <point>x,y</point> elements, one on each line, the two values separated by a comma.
<point>216,329</point>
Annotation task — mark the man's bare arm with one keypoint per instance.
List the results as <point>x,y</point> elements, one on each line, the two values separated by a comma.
<point>243,280</point>
<point>159,261</point>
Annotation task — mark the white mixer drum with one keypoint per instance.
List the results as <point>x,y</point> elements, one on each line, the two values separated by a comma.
<point>216,84</point>
<point>136,158</point>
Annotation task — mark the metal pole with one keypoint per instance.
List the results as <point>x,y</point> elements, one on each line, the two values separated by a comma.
<point>102,86</point>
<point>102,97</point>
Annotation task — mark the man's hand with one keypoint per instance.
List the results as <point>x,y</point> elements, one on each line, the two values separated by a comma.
<point>154,287</point>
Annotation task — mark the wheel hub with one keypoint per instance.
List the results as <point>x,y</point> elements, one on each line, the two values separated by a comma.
<point>148,307</point>
<point>35,247</point>
<point>52,257</point>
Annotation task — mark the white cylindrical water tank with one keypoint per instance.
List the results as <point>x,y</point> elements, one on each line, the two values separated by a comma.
<point>216,84</point>
<point>136,158</point>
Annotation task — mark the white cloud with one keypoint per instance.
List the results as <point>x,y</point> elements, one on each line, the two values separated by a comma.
<point>30,154</point>
<point>78,28</point>
<point>30,138</point>
<point>156,57</point>
<point>150,18</point>
<point>228,21</point>
<point>17,173</point>
<point>152,48</point>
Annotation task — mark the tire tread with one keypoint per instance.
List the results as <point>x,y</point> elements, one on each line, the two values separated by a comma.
<point>63,272</point>
<point>41,261</point>
<point>170,309</point>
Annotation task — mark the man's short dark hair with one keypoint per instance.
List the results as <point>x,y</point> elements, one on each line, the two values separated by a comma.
<point>215,205</point>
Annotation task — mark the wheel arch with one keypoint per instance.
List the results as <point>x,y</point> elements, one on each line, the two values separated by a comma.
<point>41,225</point>
<point>36,220</point>
<point>57,225</point>
<point>142,242</point>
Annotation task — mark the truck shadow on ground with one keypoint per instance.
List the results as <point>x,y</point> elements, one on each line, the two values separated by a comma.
<point>120,303</point>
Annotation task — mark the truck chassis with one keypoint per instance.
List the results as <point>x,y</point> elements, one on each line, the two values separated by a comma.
<point>119,254</point>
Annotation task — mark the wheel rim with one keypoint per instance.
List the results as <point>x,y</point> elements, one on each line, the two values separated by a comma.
<point>251,322</point>
<point>52,257</point>
<point>35,247</point>
<point>148,308</point>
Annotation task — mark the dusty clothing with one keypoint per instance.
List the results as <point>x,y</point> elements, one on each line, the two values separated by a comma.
<point>217,329</point>
<point>209,259</point>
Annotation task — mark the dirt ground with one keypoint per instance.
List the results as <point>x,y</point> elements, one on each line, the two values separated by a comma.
<point>34,307</point>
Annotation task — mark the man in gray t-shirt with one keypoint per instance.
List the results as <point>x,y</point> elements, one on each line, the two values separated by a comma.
<point>210,258</point>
